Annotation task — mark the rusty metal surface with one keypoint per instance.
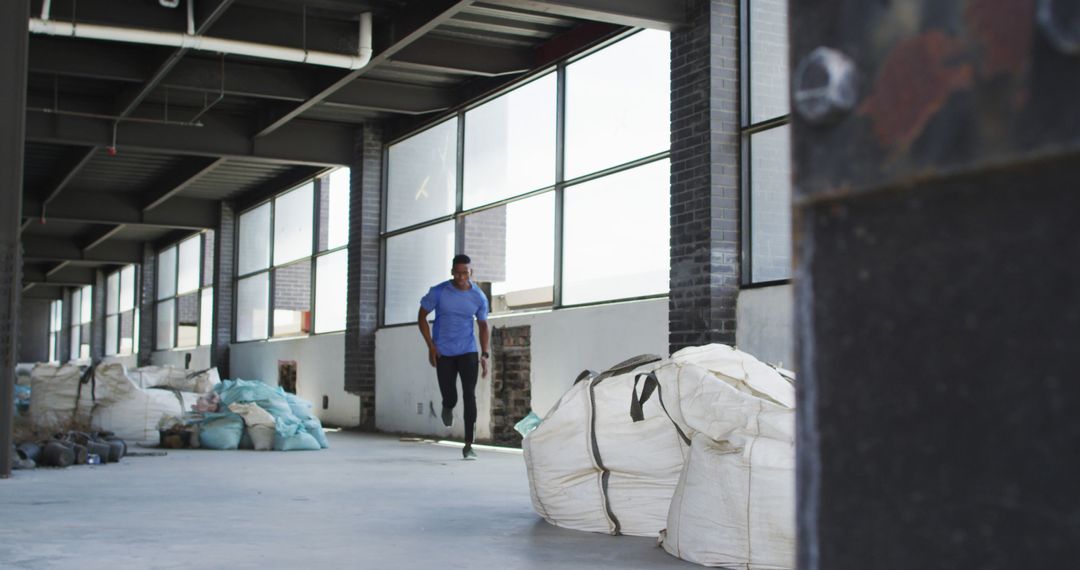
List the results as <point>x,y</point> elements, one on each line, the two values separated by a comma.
<point>942,88</point>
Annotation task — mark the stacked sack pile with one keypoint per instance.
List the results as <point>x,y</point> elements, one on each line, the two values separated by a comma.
<point>249,414</point>
<point>697,449</point>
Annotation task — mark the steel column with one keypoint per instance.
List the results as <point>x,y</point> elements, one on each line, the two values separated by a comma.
<point>13,49</point>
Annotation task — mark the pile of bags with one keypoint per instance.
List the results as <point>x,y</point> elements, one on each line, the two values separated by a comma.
<point>697,449</point>
<point>249,414</point>
<point>138,405</point>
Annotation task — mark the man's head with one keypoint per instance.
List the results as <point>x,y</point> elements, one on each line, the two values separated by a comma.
<point>460,271</point>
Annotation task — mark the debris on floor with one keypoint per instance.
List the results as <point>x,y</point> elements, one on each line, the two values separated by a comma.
<point>697,449</point>
<point>69,448</point>
<point>166,406</point>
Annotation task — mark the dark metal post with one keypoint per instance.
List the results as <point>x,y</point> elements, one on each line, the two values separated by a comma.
<point>14,17</point>
<point>937,287</point>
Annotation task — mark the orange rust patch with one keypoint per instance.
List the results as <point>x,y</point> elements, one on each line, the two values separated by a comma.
<point>914,83</point>
<point>1004,28</point>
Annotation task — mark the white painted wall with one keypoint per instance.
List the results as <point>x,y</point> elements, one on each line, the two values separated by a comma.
<point>765,324</point>
<point>200,358</point>
<point>564,343</point>
<point>320,370</point>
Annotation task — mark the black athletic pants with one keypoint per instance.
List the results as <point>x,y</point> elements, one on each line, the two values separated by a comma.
<point>448,368</point>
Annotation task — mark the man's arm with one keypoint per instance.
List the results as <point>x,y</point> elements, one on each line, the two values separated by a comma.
<point>483,347</point>
<point>425,331</point>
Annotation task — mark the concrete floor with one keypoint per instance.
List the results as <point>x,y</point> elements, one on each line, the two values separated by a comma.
<point>370,501</point>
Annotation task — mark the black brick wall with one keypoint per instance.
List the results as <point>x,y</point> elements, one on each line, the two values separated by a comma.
<point>511,386</point>
<point>224,270</point>
<point>705,166</point>
<point>146,305</point>
<point>97,316</point>
<point>362,302</point>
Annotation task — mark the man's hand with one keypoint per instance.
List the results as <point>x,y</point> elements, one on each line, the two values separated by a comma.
<point>433,355</point>
<point>483,366</point>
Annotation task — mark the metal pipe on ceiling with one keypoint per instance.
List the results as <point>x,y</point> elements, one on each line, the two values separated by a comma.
<point>218,45</point>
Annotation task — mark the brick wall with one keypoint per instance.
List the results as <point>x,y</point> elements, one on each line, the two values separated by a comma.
<point>147,323</point>
<point>97,316</point>
<point>511,384</point>
<point>485,244</point>
<point>224,271</point>
<point>705,176</point>
<point>362,301</point>
<point>292,287</point>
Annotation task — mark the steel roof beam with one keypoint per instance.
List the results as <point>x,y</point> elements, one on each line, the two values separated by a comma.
<point>187,173</point>
<point>301,142</point>
<point>655,14</point>
<point>117,209</point>
<point>408,26</point>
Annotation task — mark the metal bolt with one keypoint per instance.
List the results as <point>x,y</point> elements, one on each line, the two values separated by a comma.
<point>825,87</point>
<point>1060,23</point>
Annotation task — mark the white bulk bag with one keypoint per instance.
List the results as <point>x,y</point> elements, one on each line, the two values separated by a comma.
<point>57,403</point>
<point>735,502</point>
<point>131,411</point>
<point>592,467</point>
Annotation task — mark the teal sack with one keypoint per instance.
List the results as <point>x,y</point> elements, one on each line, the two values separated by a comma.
<point>221,431</point>
<point>528,423</point>
<point>302,441</point>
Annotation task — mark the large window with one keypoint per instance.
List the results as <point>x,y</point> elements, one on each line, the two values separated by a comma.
<point>765,143</point>
<point>82,302</point>
<point>607,189</point>
<point>185,294</point>
<point>121,318</point>
<point>293,261</point>
<point>56,324</point>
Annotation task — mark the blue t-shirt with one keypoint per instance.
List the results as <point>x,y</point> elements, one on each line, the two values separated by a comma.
<point>454,311</point>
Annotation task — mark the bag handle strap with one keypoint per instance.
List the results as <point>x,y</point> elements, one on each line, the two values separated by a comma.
<point>637,403</point>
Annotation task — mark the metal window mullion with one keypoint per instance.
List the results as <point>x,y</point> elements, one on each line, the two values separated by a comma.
<point>271,272</point>
<point>746,190</point>
<point>176,296</point>
<point>316,229</point>
<point>384,190</point>
<point>459,187</point>
<point>744,61</point>
<point>560,189</point>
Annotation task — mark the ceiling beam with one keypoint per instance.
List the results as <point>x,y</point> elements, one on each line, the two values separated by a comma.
<point>464,58</point>
<point>40,291</point>
<point>301,142</point>
<point>655,14</point>
<point>66,171</point>
<point>116,209</point>
<point>72,277</point>
<point>212,12</point>
<point>71,58</point>
<point>46,249</point>
<point>188,172</point>
<point>408,26</point>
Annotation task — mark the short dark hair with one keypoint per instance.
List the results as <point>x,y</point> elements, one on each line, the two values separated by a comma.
<point>461,258</point>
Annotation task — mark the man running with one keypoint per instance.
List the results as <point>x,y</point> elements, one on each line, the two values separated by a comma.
<point>452,345</point>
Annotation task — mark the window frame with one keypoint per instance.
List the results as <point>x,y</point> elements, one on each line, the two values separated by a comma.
<point>318,181</point>
<point>747,129</point>
<point>559,187</point>
<point>202,236</point>
<point>135,276</point>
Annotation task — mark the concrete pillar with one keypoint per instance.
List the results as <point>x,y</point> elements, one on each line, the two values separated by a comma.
<point>937,285</point>
<point>224,272</point>
<point>362,304</point>
<point>63,354</point>
<point>13,49</point>
<point>704,176</point>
